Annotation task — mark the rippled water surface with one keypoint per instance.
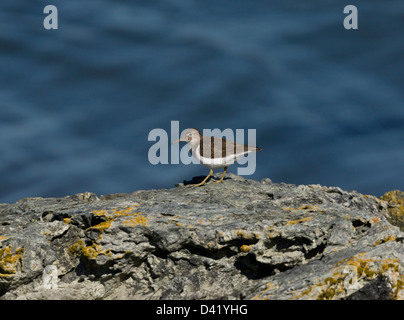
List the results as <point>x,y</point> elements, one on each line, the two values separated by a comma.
<point>77,103</point>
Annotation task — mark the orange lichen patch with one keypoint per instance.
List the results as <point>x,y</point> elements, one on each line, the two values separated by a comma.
<point>175,221</point>
<point>368,196</point>
<point>248,235</point>
<point>68,220</point>
<point>94,249</point>
<point>136,219</point>
<point>374,220</point>
<point>100,212</point>
<point>246,248</point>
<point>211,245</point>
<point>90,252</point>
<point>131,218</point>
<point>306,207</point>
<point>102,226</point>
<point>263,295</point>
<point>114,213</point>
<point>289,223</point>
<point>386,239</point>
<point>10,262</point>
<point>241,233</point>
<point>288,208</point>
<point>3,238</point>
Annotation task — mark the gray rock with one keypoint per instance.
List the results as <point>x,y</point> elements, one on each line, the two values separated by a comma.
<point>242,239</point>
<point>378,289</point>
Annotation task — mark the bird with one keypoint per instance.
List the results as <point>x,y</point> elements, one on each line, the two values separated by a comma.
<point>214,152</point>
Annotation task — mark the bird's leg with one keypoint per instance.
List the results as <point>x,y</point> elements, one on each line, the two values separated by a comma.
<point>221,179</point>
<point>204,181</point>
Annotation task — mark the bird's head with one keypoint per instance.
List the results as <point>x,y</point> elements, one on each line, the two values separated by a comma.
<point>188,135</point>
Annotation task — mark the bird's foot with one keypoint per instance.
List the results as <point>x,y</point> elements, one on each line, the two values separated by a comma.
<point>217,181</point>
<point>197,185</point>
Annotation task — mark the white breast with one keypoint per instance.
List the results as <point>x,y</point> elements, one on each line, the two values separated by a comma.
<point>217,163</point>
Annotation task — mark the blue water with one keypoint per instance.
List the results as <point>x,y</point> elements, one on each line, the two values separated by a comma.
<point>77,103</point>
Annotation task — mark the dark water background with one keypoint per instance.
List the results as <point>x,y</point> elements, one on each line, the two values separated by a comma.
<point>77,103</point>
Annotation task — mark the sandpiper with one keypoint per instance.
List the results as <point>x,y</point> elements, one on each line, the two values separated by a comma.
<point>213,152</point>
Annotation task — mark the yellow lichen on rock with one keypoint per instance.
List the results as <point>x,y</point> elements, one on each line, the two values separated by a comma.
<point>289,223</point>
<point>94,249</point>
<point>246,248</point>
<point>10,262</point>
<point>136,219</point>
<point>133,218</point>
<point>243,234</point>
<point>374,220</point>
<point>305,207</point>
<point>69,219</point>
<point>89,251</point>
<point>102,226</point>
<point>350,275</point>
<point>386,239</point>
<point>395,198</point>
<point>265,294</point>
<point>395,207</point>
<point>115,212</point>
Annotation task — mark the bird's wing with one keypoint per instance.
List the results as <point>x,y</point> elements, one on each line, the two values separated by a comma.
<point>213,147</point>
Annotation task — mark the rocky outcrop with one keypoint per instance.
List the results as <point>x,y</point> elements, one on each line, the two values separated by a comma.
<point>242,239</point>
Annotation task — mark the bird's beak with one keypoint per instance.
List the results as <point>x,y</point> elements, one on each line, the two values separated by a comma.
<point>176,141</point>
